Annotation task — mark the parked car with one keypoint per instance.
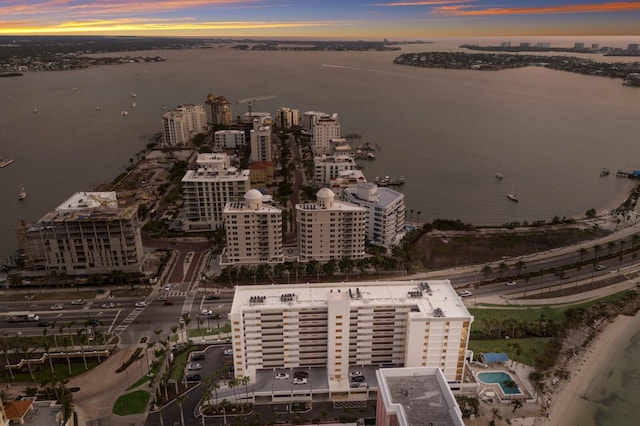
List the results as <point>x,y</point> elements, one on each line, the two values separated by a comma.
<point>464,293</point>
<point>358,385</point>
<point>193,377</point>
<point>600,267</point>
<point>212,297</point>
<point>197,356</point>
<point>77,302</point>
<point>300,375</point>
<point>57,307</point>
<point>141,304</point>
<point>511,283</point>
<point>228,352</point>
<point>206,312</point>
<point>355,373</point>
<point>357,379</point>
<point>194,366</point>
<point>299,381</point>
<point>109,305</point>
<point>282,376</point>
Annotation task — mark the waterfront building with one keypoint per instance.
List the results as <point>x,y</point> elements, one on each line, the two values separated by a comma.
<point>228,139</point>
<point>182,123</point>
<point>329,229</point>
<point>262,173</point>
<point>346,179</point>
<point>415,396</point>
<point>254,231</point>
<point>340,146</point>
<point>505,44</point>
<point>335,326</point>
<point>385,212</point>
<point>218,110</point>
<point>208,188</point>
<point>324,130</point>
<point>578,46</point>
<point>90,233</point>
<point>260,137</point>
<point>633,47</point>
<point>310,118</point>
<point>327,167</point>
<point>543,45</point>
<point>287,118</point>
<point>525,45</point>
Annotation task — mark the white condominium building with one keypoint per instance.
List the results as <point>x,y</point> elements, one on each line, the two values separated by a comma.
<point>209,188</point>
<point>385,212</point>
<point>330,229</point>
<point>310,118</point>
<point>326,129</point>
<point>260,141</point>
<point>338,325</point>
<point>228,139</point>
<point>218,110</point>
<point>180,124</point>
<point>286,118</point>
<point>327,167</point>
<point>254,231</point>
<point>88,233</point>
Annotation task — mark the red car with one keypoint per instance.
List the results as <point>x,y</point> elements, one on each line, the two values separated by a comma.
<point>168,302</point>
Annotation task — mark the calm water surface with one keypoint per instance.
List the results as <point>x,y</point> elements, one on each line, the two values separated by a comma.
<point>448,132</point>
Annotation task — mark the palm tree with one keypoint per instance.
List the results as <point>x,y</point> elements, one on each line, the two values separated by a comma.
<point>53,329</point>
<point>46,350</point>
<point>516,404</point>
<point>217,316</point>
<point>418,217</point>
<point>583,251</point>
<point>245,381</point>
<point>502,268</point>
<point>232,384</point>
<point>520,265</point>
<point>81,337</point>
<point>224,404</point>
<point>486,271</point>
<point>180,399</point>
<point>596,249</point>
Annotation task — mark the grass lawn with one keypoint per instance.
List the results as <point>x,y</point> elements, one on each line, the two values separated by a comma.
<point>131,403</point>
<point>61,371</point>
<point>521,350</point>
<point>524,314</point>
<point>179,365</point>
<point>194,332</point>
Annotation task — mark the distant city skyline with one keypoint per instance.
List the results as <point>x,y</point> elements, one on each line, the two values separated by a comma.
<point>347,19</point>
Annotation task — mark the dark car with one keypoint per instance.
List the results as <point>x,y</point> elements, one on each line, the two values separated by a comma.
<point>44,324</point>
<point>213,297</point>
<point>197,357</point>
<point>93,323</point>
<point>168,302</point>
<point>193,378</point>
<point>300,374</point>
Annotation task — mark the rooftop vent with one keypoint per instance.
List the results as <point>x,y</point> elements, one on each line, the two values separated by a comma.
<point>438,312</point>
<point>414,293</point>
<point>287,297</point>
<point>257,299</point>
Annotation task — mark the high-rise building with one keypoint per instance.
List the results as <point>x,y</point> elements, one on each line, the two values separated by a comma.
<point>338,325</point>
<point>209,188</point>
<point>180,124</point>
<point>286,118</point>
<point>228,139</point>
<point>260,137</point>
<point>330,229</point>
<point>326,129</point>
<point>385,212</point>
<point>415,396</point>
<point>327,167</point>
<point>90,233</point>
<point>218,110</point>
<point>254,231</point>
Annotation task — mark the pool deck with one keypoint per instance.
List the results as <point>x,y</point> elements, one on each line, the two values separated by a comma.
<point>519,373</point>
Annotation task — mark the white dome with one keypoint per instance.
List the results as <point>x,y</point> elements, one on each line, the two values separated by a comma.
<point>325,193</point>
<point>253,195</point>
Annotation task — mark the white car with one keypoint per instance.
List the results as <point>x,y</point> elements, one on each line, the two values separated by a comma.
<point>194,366</point>
<point>109,305</point>
<point>282,376</point>
<point>299,381</point>
<point>57,307</point>
<point>77,302</point>
<point>600,267</point>
<point>464,293</point>
<point>167,287</point>
<point>355,373</point>
<point>511,283</point>
<point>141,304</point>
<point>206,312</point>
<point>228,352</point>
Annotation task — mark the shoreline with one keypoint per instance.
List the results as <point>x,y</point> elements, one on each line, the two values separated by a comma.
<point>569,403</point>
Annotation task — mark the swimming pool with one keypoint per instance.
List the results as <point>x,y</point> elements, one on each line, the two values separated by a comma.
<point>499,377</point>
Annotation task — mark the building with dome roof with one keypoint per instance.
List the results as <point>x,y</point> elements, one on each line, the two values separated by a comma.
<point>254,231</point>
<point>329,229</point>
<point>218,110</point>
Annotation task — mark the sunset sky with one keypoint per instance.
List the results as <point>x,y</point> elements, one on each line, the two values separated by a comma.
<point>356,19</point>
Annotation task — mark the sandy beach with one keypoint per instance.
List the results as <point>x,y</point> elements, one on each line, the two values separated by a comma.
<point>568,401</point>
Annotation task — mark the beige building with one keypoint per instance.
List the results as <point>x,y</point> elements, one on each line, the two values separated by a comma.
<point>260,137</point>
<point>324,130</point>
<point>328,167</point>
<point>182,123</point>
<point>286,118</point>
<point>254,231</point>
<point>341,325</point>
<point>330,229</point>
<point>207,190</point>
<point>88,233</point>
<point>218,110</point>
<point>262,173</point>
<point>228,139</point>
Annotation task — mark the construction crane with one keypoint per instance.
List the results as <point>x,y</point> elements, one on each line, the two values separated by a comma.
<point>250,101</point>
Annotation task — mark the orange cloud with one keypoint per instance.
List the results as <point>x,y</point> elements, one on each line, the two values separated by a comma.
<point>422,3</point>
<point>623,6</point>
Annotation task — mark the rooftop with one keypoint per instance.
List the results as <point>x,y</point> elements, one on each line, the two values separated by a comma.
<point>434,298</point>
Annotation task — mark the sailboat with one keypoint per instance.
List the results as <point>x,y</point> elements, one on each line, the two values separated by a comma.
<point>512,195</point>
<point>499,175</point>
<point>22,194</point>
<point>35,109</point>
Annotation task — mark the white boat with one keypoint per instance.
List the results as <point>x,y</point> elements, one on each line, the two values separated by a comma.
<point>499,175</point>
<point>35,109</point>
<point>133,104</point>
<point>22,194</point>
<point>132,94</point>
<point>512,197</point>
<point>124,112</point>
<point>4,162</point>
<point>98,108</point>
